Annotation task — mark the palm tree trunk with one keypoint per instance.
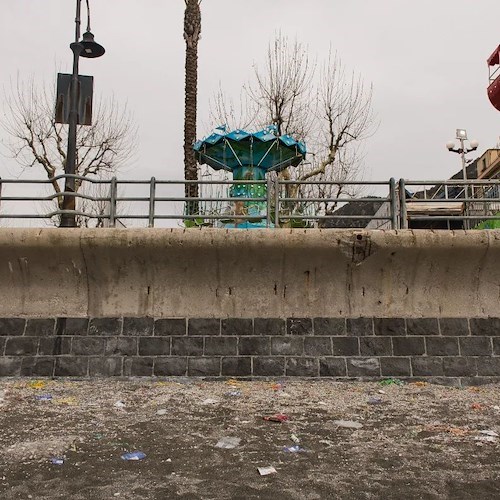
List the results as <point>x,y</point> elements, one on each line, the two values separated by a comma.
<point>192,30</point>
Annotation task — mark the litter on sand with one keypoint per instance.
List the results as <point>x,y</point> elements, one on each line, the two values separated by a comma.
<point>228,443</point>
<point>293,449</point>
<point>348,424</point>
<point>279,417</point>
<point>44,397</point>
<point>57,461</point>
<point>134,456</point>
<point>265,471</point>
<point>161,411</point>
<point>209,401</point>
<point>119,404</point>
<point>294,438</point>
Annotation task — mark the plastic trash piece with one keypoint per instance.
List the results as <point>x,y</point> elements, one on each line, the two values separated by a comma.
<point>209,401</point>
<point>119,404</point>
<point>44,397</point>
<point>348,424</point>
<point>486,439</point>
<point>295,439</point>
<point>279,417</point>
<point>489,433</point>
<point>37,384</point>
<point>233,394</point>
<point>134,456</point>
<point>293,449</point>
<point>57,461</point>
<point>265,471</point>
<point>161,411</point>
<point>391,381</point>
<point>228,443</point>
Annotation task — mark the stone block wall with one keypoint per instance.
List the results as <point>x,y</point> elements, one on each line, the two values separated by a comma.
<point>451,350</point>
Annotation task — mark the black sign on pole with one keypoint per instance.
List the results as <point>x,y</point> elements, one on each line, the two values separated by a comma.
<point>85,93</point>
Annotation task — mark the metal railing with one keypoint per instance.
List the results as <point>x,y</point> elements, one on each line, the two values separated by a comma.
<point>447,204</point>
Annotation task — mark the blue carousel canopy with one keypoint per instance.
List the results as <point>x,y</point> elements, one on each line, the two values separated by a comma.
<point>263,149</point>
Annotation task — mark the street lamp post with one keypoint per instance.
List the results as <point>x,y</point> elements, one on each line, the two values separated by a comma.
<point>462,151</point>
<point>90,49</point>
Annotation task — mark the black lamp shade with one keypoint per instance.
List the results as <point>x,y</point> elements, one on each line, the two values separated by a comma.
<point>91,48</point>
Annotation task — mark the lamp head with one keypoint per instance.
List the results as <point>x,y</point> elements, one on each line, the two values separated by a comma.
<point>450,145</point>
<point>91,48</point>
<point>474,144</point>
<point>461,133</point>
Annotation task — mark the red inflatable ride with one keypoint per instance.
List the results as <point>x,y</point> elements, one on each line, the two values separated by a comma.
<point>494,78</point>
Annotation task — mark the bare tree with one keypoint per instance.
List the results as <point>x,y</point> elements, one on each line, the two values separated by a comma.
<point>329,109</point>
<point>36,140</point>
<point>192,33</point>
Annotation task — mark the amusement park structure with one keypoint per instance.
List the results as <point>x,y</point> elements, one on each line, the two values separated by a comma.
<point>494,78</point>
<point>249,157</point>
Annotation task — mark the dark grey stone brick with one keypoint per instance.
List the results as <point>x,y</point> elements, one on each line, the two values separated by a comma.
<point>203,367</point>
<point>496,346</point>
<point>12,326</point>
<point>287,346</point>
<point>345,346</point>
<point>332,367</point>
<point>87,346</point>
<point>203,326</point>
<point>54,346</point>
<point>488,366</point>
<point>154,346</point>
<point>395,367</point>
<point>76,326</point>
<point>138,367</point>
<point>37,367</point>
<point>459,367</point>
<point>121,346</point>
<point>422,326</point>
<point>485,326</point>
<point>269,326</point>
<point>476,346</point>
<point>454,326</point>
<point>170,326</point>
<point>237,326</point>
<point>389,326</point>
<point>71,367</point>
<point>442,346</point>
<point>19,346</point>
<point>237,366</point>
<point>299,326</point>
<point>105,367</point>
<point>476,381</point>
<point>329,326</point>
<point>359,327</point>
<point>375,346</point>
<point>170,367</point>
<point>187,346</point>
<point>3,340</point>
<point>254,346</point>
<point>408,346</point>
<point>427,366</point>
<point>318,346</point>
<point>40,327</point>
<point>138,327</point>
<point>105,326</point>
<point>363,367</point>
<point>268,367</point>
<point>222,346</point>
<point>10,367</point>
<point>302,367</point>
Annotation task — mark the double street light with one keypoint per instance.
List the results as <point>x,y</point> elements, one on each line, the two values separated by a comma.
<point>87,48</point>
<point>462,151</point>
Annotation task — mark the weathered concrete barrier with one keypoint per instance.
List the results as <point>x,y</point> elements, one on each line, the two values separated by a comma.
<point>245,274</point>
<point>409,304</point>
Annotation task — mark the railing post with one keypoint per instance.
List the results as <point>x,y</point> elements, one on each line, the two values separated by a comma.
<point>152,195</point>
<point>277,202</point>
<point>112,202</point>
<point>268,201</point>
<point>403,221</point>
<point>393,203</point>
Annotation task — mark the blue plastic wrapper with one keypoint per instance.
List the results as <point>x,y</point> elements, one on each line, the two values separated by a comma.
<point>57,461</point>
<point>134,456</point>
<point>43,397</point>
<point>293,449</point>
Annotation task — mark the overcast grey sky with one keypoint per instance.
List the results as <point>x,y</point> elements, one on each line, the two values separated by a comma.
<point>426,59</point>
